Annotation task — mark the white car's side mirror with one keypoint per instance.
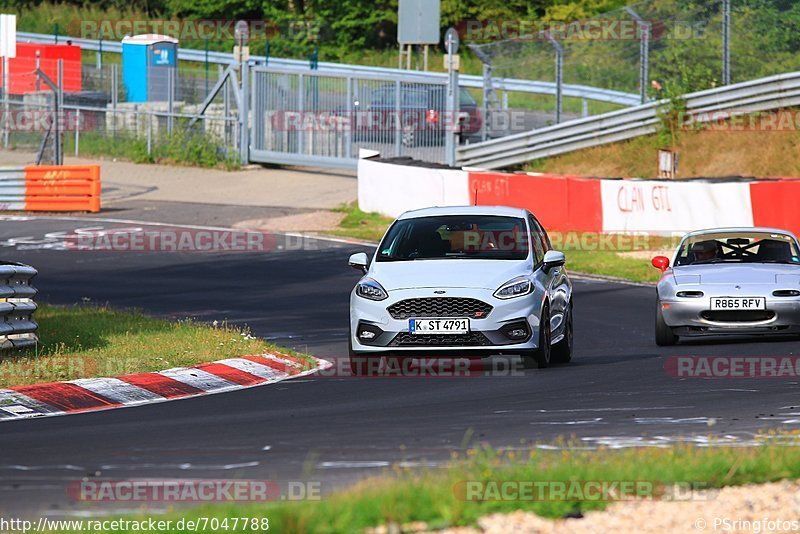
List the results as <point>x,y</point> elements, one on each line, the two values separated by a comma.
<point>359,261</point>
<point>553,258</point>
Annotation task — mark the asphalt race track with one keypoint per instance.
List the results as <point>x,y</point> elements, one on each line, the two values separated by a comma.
<point>338,429</point>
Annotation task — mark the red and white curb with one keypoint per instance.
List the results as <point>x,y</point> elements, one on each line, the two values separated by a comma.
<point>93,394</point>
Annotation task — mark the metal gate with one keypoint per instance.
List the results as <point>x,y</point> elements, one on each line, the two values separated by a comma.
<point>323,119</point>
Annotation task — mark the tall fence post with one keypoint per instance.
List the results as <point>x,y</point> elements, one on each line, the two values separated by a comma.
<point>6,103</point>
<point>58,156</point>
<point>398,121</point>
<point>170,98</point>
<point>351,122</point>
<point>726,42</point>
<point>77,132</point>
<point>114,99</point>
<point>244,116</point>
<point>644,52</point>
<point>487,94</point>
<point>559,75</point>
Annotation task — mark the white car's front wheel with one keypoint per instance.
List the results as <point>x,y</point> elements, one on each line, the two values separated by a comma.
<point>540,358</point>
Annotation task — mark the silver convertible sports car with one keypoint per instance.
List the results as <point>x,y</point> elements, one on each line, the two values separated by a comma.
<point>462,282</point>
<point>729,281</point>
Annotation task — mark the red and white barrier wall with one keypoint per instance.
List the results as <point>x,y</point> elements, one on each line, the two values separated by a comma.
<point>574,203</point>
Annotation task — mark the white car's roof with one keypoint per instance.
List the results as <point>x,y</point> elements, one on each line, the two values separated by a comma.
<point>735,229</point>
<point>465,210</point>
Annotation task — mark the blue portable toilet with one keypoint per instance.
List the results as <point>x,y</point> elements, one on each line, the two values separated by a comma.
<point>147,61</point>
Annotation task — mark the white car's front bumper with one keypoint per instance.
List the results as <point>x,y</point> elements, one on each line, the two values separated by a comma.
<point>489,334</point>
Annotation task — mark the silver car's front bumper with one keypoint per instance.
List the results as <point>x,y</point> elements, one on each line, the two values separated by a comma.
<point>693,316</point>
<point>487,334</point>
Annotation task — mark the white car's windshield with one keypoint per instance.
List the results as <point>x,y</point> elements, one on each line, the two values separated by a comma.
<point>456,236</point>
<point>739,247</point>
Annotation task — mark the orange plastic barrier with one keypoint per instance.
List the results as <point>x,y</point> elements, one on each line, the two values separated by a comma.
<point>62,188</point>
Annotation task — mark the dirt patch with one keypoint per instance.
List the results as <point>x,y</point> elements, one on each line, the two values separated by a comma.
<point>314,221</point>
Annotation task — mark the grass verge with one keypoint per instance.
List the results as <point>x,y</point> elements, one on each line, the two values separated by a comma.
<point>622,257</point>
<point>438,498</point>
<point>87,341</point>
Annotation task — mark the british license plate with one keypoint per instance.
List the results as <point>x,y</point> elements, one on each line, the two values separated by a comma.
<point>738,303</point>
<point>438,326</point>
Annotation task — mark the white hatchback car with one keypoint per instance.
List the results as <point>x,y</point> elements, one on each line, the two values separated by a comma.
<point>462,282</point>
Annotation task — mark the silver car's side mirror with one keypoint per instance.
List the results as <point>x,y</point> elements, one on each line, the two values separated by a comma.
<point>359,261</point>
<point>553,258</point>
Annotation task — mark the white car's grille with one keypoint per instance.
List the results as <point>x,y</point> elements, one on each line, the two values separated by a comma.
<point>440,307</point>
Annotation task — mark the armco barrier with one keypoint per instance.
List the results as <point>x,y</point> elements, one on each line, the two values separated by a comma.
<point>574,203</point>
<point>50,188</point>
<point>17,329</point>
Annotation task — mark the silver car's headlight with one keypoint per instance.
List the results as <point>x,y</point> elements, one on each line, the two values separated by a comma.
<point>371,290</point>
<point>514,288</point>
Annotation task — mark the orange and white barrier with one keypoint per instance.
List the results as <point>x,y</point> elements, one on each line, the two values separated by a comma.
<point>50,188</point>
<point>575,203</point>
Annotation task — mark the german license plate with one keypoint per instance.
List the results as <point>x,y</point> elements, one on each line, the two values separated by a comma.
<point>738,303</point>
<point>438,326</point>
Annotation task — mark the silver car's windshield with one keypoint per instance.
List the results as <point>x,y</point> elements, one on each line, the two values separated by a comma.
<point>738,247</point>
<point>456,236</point>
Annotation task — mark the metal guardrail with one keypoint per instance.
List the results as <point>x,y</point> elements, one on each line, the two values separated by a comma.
<point>17,329</point>
<point>764,94</point>
<point>476,82</point>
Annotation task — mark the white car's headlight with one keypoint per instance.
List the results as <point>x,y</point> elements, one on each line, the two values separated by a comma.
<point>514,288</point>
<point>370,289</point>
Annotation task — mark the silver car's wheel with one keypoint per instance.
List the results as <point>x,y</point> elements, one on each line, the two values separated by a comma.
<point>540,358</point>
<point>665,337</point>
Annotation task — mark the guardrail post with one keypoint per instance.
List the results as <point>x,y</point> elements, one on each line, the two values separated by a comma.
<point>726,42</point>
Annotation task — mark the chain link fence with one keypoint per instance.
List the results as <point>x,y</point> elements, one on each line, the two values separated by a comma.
<point>88,114</point>
<point>651,48</point>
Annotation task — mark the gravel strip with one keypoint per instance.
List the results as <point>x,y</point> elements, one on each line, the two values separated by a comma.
<point>773,507</point>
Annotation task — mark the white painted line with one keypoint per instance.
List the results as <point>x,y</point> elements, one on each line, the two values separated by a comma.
<point>199,379</point>
<point>254,368</point>
<point>116,390</point>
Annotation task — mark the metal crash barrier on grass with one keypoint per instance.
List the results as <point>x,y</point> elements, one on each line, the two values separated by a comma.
<point>17,329</point>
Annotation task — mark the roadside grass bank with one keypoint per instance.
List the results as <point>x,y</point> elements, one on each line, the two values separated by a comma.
<point>87,341</point>
<point>616,256</point>
<point>720,150</point>
<point>472,486</point>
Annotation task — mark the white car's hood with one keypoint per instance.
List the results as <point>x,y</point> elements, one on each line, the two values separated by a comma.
<point>474,274</point>
<point>743,273</point>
